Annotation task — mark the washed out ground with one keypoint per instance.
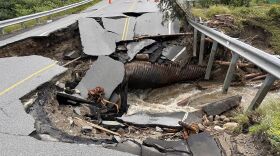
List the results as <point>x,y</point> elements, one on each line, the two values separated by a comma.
<point>165,99</point>
<point>57,120</point>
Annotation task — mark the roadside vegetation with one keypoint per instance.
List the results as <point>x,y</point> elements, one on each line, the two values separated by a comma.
<point>262,123</point>
<point>268,123</point>
<point>255,13</point>
<point>16,8</point>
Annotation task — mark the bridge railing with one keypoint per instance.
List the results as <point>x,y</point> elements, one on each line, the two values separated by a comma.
<point>22,19</point>
<point>267,62</point>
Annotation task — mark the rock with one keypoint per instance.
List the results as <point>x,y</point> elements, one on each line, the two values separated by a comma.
<point>206,122</point>
<point>71,121</point>
<point>216,122</point>
<point>219,129</point>
<point>86,129</point>
<point>60,85</point>
<point>222,117</point>
<point>158,129</point>
<point>211,118</point>
<point>77,111</point>
<point>226,120</point>
<point>230,125</point>
<point>222,106</point>
<point>71,55</point>
<point>201,127</point>
<point>46,137</point>
<point>217,118</point>
<point>112,124</point>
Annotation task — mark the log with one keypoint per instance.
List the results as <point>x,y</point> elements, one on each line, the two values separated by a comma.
<point>258,78</point>
<point>219,107</point>
<point>241,65</point>
<point>253,75</point>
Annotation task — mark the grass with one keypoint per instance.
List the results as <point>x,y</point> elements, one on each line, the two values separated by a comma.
<point>264,16</point>
<point>269,124</point>
<point>42,20</point>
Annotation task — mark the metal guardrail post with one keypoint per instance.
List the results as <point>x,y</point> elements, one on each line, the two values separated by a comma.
<point>211,60</point>
<point>194,42</point>
<point>230,72</point>
<point>268,82</point>
<point>201,52</point>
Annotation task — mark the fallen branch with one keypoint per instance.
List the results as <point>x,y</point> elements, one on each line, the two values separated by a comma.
<point>253,75</point>
<point>258,78</point>
<point>97,126</point>
<point>241,65</point>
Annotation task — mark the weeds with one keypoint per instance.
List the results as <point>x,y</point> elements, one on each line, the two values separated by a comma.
<point>270,122</point>
<point>264,16</point>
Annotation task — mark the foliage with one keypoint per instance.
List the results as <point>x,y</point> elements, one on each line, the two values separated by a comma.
<point>217,10</point>
<point>205,3</point>
<point>171,10</point>
<point>15,8</point>
<point>274,12</point>
<point>243,122</point>
<point>7,9</point>
<point>270,122</point>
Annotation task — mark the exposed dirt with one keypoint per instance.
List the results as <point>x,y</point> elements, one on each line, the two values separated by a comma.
<point>53,46</point>
<point>256,36</point>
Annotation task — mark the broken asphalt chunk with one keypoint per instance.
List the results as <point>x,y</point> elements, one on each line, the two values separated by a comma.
<point>106,73</point>
<point>203,144</point>
<point>134,48</point>
<point>117,25</point>
<point>143,119</point>
<point>172,51</point>
<point>151,24</point>
<point>66,98</point>
<point>95,40</point>
<point>219,107</point>
<point>169,147</point>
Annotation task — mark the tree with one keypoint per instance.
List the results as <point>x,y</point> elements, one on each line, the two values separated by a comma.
<point>7,9</point>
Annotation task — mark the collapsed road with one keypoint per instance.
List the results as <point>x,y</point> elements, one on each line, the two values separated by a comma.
<point>98,82</point>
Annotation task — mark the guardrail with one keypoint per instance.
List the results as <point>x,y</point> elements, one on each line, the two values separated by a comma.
<point>22,19</point>
<point>267,62</point>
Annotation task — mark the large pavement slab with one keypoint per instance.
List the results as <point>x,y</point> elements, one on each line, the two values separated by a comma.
<point>21,76</point>
<point>28,146</point>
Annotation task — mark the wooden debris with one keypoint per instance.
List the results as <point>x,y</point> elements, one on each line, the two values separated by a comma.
<point>261,77</point>
<point>239,64</point>
<point>253,75</point>
<point>83,122</point>
<point>189,129</point>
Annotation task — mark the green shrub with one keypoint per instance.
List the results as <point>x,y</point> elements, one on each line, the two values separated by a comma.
<point>205,3</point>
<point>270,122</point>
<point>274,12</point>
<point>216,10</point>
